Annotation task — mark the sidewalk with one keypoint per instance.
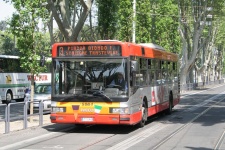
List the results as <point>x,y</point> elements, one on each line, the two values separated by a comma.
<point>18,125</point>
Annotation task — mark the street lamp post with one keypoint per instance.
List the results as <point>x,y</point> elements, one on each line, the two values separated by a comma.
<point>134,21</point>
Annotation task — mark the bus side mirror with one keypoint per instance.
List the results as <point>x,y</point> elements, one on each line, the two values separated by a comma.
<point>133,66</point>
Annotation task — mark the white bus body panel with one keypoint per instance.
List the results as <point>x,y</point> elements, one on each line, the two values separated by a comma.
<point>16,83</point>
<point>13,82</point>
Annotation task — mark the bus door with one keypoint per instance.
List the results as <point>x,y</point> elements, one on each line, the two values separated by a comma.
<point>156,82</point>
<point>164,80</point>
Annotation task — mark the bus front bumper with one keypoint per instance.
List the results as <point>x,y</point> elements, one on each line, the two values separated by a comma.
<point>92,119</point>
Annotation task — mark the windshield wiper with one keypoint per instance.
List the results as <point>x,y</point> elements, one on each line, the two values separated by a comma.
<point>100,93</point>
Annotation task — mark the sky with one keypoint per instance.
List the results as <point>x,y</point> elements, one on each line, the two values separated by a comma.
<point>6,10</point>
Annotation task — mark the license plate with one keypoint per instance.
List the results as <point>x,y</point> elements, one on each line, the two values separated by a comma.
<point>87,119</point>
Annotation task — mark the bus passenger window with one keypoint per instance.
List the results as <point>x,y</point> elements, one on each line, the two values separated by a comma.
<point>170,71</point>
<point>143,72</point>
<point>164,70</point>
<point>139,79</point>
<point>145,78</point>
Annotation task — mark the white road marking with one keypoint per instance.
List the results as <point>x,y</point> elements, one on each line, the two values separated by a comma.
<point>205,102</point>
<point>138,137</point>
<point>219,143</point>
<point>146,133</point>
<point>21,143</point>
<point>54,147</point>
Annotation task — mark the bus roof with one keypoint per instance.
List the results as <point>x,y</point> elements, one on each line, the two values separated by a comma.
<point>152,45</point>
<point>109,48</point>
<point>109,41</point>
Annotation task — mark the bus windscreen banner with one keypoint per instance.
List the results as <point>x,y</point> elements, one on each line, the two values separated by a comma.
<point>89,50</point>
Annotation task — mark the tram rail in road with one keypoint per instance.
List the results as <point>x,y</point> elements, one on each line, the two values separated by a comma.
<point>164,132</point>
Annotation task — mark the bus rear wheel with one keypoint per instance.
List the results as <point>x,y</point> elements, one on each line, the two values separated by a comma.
<point>144,113</point>
<point>8,97</point>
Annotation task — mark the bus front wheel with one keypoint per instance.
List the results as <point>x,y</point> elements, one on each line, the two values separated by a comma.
<point>144,112</point>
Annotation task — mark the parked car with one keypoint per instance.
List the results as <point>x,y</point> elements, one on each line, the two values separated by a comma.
<point>42,92</point>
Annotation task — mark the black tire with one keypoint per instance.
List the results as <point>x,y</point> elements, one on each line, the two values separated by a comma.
<point>20,100</point>
<point>114,86</point>
<point>80,126</point>
<point>8,97</point>
<point>144,111</point>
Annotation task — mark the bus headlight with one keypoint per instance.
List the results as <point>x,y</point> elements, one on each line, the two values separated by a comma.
<point>119,110</point>
<point>58,109</point>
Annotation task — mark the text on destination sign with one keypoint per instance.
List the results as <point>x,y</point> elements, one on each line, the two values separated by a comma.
<point>89,50</point>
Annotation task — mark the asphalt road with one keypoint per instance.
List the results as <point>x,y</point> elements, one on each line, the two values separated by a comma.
<point>197,123</point>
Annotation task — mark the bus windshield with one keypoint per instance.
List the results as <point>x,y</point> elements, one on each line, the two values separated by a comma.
<point>91,76</point>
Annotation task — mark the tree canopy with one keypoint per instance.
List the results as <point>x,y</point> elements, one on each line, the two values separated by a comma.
<point>192,29</point>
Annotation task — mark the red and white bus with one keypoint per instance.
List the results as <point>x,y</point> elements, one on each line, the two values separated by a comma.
<point>82,79</point>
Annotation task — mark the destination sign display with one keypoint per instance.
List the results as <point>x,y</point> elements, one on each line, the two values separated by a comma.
<point>89,50</point>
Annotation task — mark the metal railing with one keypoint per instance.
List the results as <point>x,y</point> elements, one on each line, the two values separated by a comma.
<point>6,114</point>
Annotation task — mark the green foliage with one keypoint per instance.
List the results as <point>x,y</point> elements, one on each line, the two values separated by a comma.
<point>107,18</point>
<point>125,19</point>
<point>2,51</point>
<point>164,21</point>
<point>3,25</point>
<point>220,38</point>
<point>143,22</point>
<point>30,42</point>
<point>8,46</point>
<point>156,22</point>
<point>87,34</point>
<point>7,40</point>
